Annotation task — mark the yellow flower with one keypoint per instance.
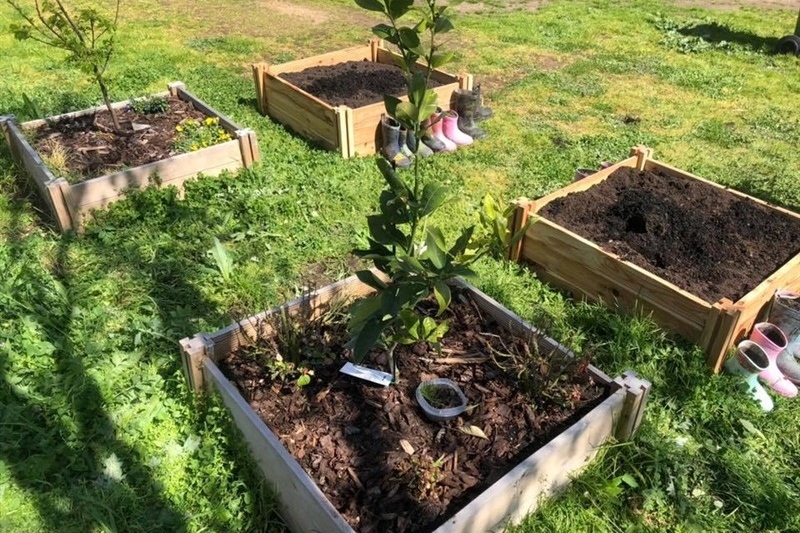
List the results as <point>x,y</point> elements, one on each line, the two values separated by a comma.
<point>209,121</point>
<point>195,148</point>
<point>179,129</point>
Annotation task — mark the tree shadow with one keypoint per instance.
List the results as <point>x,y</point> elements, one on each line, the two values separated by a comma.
<point>59,442</point>
<point>716,33</point>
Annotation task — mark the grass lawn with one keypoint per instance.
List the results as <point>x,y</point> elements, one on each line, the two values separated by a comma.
<point>98,432</point>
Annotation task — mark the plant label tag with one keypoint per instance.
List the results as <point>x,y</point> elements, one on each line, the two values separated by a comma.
<point>368,374</point>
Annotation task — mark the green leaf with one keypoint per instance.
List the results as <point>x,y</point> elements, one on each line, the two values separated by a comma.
<point>368,277</point>
<point>384,31</point>
<point>411,265</point>
<point>366,338</point>
<point>443,25</point>
<point>409,38</point>
<point>434,250</point>
<point>398,8</point>
<point>462,242</point>
<point>362,310</point>
<point>303,380</point>
<point>371,5</point>
<point>407,114</point>
<point>438,60</point>
<point>433,196</point>
<point>390,103</point>
<point>394,182</point>
<point>441,291</point>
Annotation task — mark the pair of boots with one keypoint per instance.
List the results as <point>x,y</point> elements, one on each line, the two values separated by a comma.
<point>442,133</point>
<point>757,359</point>
<point>399,145</point>
<point>467,103</point>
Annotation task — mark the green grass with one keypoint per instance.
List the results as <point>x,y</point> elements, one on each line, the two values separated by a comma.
<point>97,429</point>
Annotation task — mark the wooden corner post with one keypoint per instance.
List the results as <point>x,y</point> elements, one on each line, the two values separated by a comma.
<point>642,153</point>
<point>193,350</point>
<point>4,121</point>
<point>259,73</point>
<point>175,87</point>
<point>518,219</point>
<point>636,392</point>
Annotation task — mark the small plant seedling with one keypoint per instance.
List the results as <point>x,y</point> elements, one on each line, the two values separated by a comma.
<point>150,105</point>
<point>86,34</point>
<point>439,396</point>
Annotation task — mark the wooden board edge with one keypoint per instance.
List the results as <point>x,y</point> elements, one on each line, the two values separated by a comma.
<point>582,185</point>
<point>353,53</point>
<point>314,512</point>
<point>521,490</point>
<point>509,320</point>
<point>229,125</point>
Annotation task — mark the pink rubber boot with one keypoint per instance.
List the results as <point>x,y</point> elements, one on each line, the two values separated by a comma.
<point>772,340</point>
<point>451,130</point>
<point>437,127</point>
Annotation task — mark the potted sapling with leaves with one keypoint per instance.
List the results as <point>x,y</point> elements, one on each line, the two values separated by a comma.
<point>404,243</point>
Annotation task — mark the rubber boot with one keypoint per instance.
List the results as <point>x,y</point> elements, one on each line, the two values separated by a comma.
<point>481,113</point>
<point>390,141</point>
<point>785,313</point>
<point>451,131</point>
<point>417,148</point>
<point>430,140</point>
<point>772,340</point>
<point>749,361</point>
<point>437,127</point>
<point>465,103</point>
<point>402,142</point>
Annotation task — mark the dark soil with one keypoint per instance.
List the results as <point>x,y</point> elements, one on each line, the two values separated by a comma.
<point>703,239</point>
<point>373,452</point>
<point>93,149</point>
<point>352,83</point>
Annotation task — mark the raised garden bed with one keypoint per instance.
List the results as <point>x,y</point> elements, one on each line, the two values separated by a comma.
<point>703,260</point>
<point>611,408</point>
<point>71,202</point>
<point>351,131</point>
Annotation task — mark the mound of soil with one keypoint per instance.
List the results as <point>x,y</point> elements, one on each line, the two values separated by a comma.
<point>707,241</point>
<point>91,148</point>
<point>371,449</point>
<point>352,83</point>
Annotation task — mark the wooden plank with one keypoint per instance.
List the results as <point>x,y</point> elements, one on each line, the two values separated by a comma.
<point>355,53</point>
<point>62,204</point>
<point>33,124</point>
<point>305,114</point>
<point>243,332</point>
<point>567,258</point>
<point>101,191</point>
<point>259,72</point>
<point>192,355</point>
<point>724,336</point>
<point>303,505</point>
<point>229,125</point>
<point>582,185</point>
<point>516,325</point>
<point>547,471</point>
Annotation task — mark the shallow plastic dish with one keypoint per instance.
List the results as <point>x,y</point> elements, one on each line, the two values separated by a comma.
<point>440,415</point>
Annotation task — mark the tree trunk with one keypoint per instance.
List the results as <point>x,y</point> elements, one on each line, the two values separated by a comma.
<point>104,91</point>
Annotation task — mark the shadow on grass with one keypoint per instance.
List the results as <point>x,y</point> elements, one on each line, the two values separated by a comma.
<point>716,33</point>
<point>60,440</point>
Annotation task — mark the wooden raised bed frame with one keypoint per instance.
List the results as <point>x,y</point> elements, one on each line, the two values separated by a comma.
<point>571,262</point>
<point>304,506</point>
<point>70,203</point>
<point>351,132</point>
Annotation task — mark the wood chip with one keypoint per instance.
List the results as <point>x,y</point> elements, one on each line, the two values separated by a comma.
<point>407,447</point>
<point>354,477</point>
